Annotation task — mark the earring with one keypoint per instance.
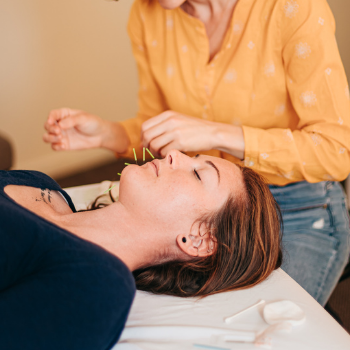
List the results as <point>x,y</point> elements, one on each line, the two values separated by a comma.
<point>184,239</point>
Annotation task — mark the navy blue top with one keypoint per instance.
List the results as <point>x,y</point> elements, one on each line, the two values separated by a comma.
<point>57,290</point>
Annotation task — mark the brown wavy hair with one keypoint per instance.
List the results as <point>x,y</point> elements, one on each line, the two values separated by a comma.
<point>248,232</point>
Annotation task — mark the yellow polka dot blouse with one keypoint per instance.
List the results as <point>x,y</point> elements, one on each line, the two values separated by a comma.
<point>278,74</point>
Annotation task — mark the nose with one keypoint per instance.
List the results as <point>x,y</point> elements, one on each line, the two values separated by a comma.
<point>173,157</point>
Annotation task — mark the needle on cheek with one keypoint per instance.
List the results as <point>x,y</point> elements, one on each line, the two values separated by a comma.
<point>109,188</point>
<point>129,163</point>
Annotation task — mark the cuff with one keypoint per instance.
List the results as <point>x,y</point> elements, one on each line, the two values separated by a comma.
<point>251,145</point>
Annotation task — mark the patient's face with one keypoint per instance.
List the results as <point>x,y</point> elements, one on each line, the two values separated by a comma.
<point>177,190</point>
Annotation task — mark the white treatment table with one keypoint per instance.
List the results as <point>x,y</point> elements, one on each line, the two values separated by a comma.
<point>319,331</point>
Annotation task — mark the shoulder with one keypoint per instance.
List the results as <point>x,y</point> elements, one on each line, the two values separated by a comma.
<point>26,176</point>
<point>33,178</point>
<point>145,9</point>
<point>105,269</point>
<point>308,16</point>
<point>146,16</point>
<point>300,11</point>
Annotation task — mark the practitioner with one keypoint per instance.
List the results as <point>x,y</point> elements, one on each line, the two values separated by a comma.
<point>255,82</point>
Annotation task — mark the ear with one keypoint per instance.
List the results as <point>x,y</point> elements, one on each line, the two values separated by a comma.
<point>199,242</point>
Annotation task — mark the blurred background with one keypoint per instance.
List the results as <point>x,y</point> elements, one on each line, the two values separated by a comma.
<point>75,53</point>
<point>69,53</point>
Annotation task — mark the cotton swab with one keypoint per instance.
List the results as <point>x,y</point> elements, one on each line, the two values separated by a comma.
<point>143,153</point>
<point>230,318</point>
<point>127,163</point>
<point>149,153</point>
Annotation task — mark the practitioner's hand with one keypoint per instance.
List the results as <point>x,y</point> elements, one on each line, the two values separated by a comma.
<point>70,129</point>
<point>171,130</point>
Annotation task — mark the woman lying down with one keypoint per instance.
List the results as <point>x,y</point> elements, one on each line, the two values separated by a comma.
<point>184,226</point>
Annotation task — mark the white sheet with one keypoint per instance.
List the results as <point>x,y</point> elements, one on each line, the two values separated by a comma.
<point>319,331</point>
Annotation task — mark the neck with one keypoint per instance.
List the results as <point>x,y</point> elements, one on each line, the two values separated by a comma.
<point>207,10</point>
<point>136,242</point>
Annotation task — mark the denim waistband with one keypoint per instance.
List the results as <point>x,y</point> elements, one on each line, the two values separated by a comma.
<point>305,194</point>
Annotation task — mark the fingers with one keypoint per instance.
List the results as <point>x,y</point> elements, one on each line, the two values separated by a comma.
<point>55,117</point>
<point>52,138</point>
<point>59,114</point>
<point>167,148</point>
<point>161,131</point>
<point>157,144</point>
<point>56,132</point>
<point>58,143</point>
<point>52,129</point>
<point>58,147</point>
<point>167,125</point>
<point>72,121</point>
<point>55,145</point>
<point>156,120</point>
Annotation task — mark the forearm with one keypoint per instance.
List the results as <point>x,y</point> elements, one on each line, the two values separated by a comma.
<point>229,138</point>
<point>300,154</point>
<point>115,137</point>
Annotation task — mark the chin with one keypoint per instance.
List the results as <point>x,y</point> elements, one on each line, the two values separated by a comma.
<point>170,4</point>
<point>133,182</point>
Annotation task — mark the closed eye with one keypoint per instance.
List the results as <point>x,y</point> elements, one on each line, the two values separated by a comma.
<point>197,175</point>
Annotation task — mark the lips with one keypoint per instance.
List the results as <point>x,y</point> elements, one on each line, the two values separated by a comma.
<point>155,168</point>
<point>155,163</point>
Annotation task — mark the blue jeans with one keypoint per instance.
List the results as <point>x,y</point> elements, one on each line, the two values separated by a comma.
<point>315,236</point>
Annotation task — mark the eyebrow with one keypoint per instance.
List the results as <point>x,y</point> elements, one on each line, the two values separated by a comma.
<point>213,165</point>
